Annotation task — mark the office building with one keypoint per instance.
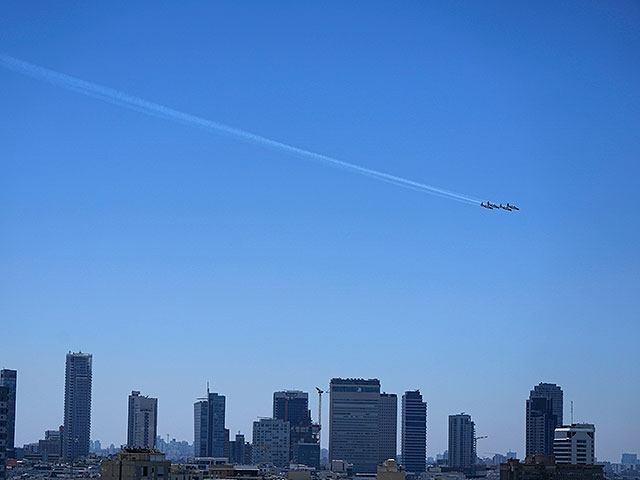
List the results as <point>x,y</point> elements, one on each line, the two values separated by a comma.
<point>543,467</point>
<point>271,442</point>
<point>4,429</point>
<point>414,432</point>
<point>462,434</point>
<point>238,450</point>
<point>136,464</point>
<point>543,416</point>
<point>575,444</point>
<point>142,425</point>
<point>293,406</point>
<point>77,406</point>
<point>353,427</point>
<point>387,427</point>
<point>9,379</point>
<point>209,426</point>
<point>629,459</point>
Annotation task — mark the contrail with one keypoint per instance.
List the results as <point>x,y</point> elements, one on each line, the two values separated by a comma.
<point>122,99</point>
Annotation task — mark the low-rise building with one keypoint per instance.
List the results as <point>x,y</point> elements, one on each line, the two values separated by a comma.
<point>136,464</point>
<point>544,467</point>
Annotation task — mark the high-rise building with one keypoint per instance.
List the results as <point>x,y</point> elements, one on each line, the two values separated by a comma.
<point>293,406</point>
<point>142,427</point>
<point>543,416</point>
<point>271,441</point>
<point>9,379</point>
<point>4,411</point>
<point>353,427</point>
<point>239,451</point>
<point>414,432</point>
<point>575,444</point>
<point>387,427</point>
<point>77,406</point>
<point>462,434</point>
<point>209,428</point>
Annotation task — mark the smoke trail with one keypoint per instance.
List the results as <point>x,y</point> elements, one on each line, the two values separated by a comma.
<point>138,104</point>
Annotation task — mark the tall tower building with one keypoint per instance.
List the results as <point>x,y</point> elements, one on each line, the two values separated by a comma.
<point>142,425</point>
<point>353,427</point>
<point>9,379</point>
<point>575,444</point>
<point>414,432</point>
<point>77,406</point>
<point>209,428</point>
<point>543,416</point>
<point>4,410</point>
<point>293,406</point>
<point>462,434</point>
<point>387,427</point>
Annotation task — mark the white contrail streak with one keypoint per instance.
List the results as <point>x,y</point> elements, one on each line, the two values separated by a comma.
<point>135,103</point>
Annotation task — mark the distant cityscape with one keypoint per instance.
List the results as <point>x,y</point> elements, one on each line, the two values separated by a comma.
<point>362,437</point>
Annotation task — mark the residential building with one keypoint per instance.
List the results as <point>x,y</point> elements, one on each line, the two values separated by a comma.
<point>4,429</point>
<point>77,406</point>
<point>543,416</point>
<point>142,425</point>
<point>387,427</point>
<point>136,464</point>
<point>543,467</point>
<point>209,426</point>
<point>462,434</point>
<point>414,432</point>
<point>575,444</point>
<point>9,379</point>
<point>271,441</point>
<point>353,427</point>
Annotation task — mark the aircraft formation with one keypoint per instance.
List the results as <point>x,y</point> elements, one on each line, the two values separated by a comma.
<point>491,206</point>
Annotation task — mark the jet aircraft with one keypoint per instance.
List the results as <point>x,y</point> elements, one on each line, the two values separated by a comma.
<point>488,205</point>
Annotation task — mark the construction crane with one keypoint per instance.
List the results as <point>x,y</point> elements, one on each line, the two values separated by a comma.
<point>475,444</point>
<point>320,392</point>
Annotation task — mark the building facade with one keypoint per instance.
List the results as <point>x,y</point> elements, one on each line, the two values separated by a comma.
<point>462,434</point>
<point>4,414</point>
<point>271,442</point>
<point>575,444</point>
<point>209,426</point>
<point>142,425</point>
<point>543,416</point>
<point>414,432</point>
<point>304,445</point>
<point>387,427</point>
<point>9,379</point>
<point>543,467</point>
<point>77,406</point>
<point>136,464</point>
<point>353,422</point>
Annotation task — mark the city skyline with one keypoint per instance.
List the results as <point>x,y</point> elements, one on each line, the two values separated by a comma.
<point>206,258</point>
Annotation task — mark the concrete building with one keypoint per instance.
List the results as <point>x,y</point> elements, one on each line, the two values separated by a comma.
<point>271,441</point>
<point>575,444</point>
<point>629,459</point>
<point>462,434</point>
<point>239,451</point>
<point>390,470</point>
<point>142,425</point>
<point>209,426</point>
<point>136,464</point>
<point>4,429</point>
<point>293,406</point>
<point>353,427</point>
<point>77,406</point>
<point>543,416</point>
<point>387,426</point>
<point>414,432</point>
<point>543,467</point>
<point>9,379</point>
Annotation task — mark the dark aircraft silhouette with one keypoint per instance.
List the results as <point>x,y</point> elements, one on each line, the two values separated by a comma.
<point>512,206</point>
<point>507,207</point>
<point>488,205</point>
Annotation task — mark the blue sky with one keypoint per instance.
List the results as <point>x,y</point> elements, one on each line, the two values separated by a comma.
<point>177,256</point>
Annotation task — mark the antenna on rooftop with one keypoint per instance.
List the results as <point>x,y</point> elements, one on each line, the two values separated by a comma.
<point>571,412</point>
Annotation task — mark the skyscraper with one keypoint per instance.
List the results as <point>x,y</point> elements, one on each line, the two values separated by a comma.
<point>293,406</point>
<point>9,379</point>
<point>353,428</point>
<point>414,432</point>
<point>387,427</point>
<point>77,406</point>
<point>462,434</point>
<point>543,416</point>
<point>142,427</point>
<point>271,441</point>
<point>4,410</point>
<point>209,428</point>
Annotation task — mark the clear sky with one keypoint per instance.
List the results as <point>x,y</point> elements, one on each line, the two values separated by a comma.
<point>177,256</point>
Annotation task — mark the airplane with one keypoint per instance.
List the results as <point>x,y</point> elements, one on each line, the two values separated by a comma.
<point>505,208</point>
<point>512,206</point>
<point>492,205</point>
<point>488,205</point>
